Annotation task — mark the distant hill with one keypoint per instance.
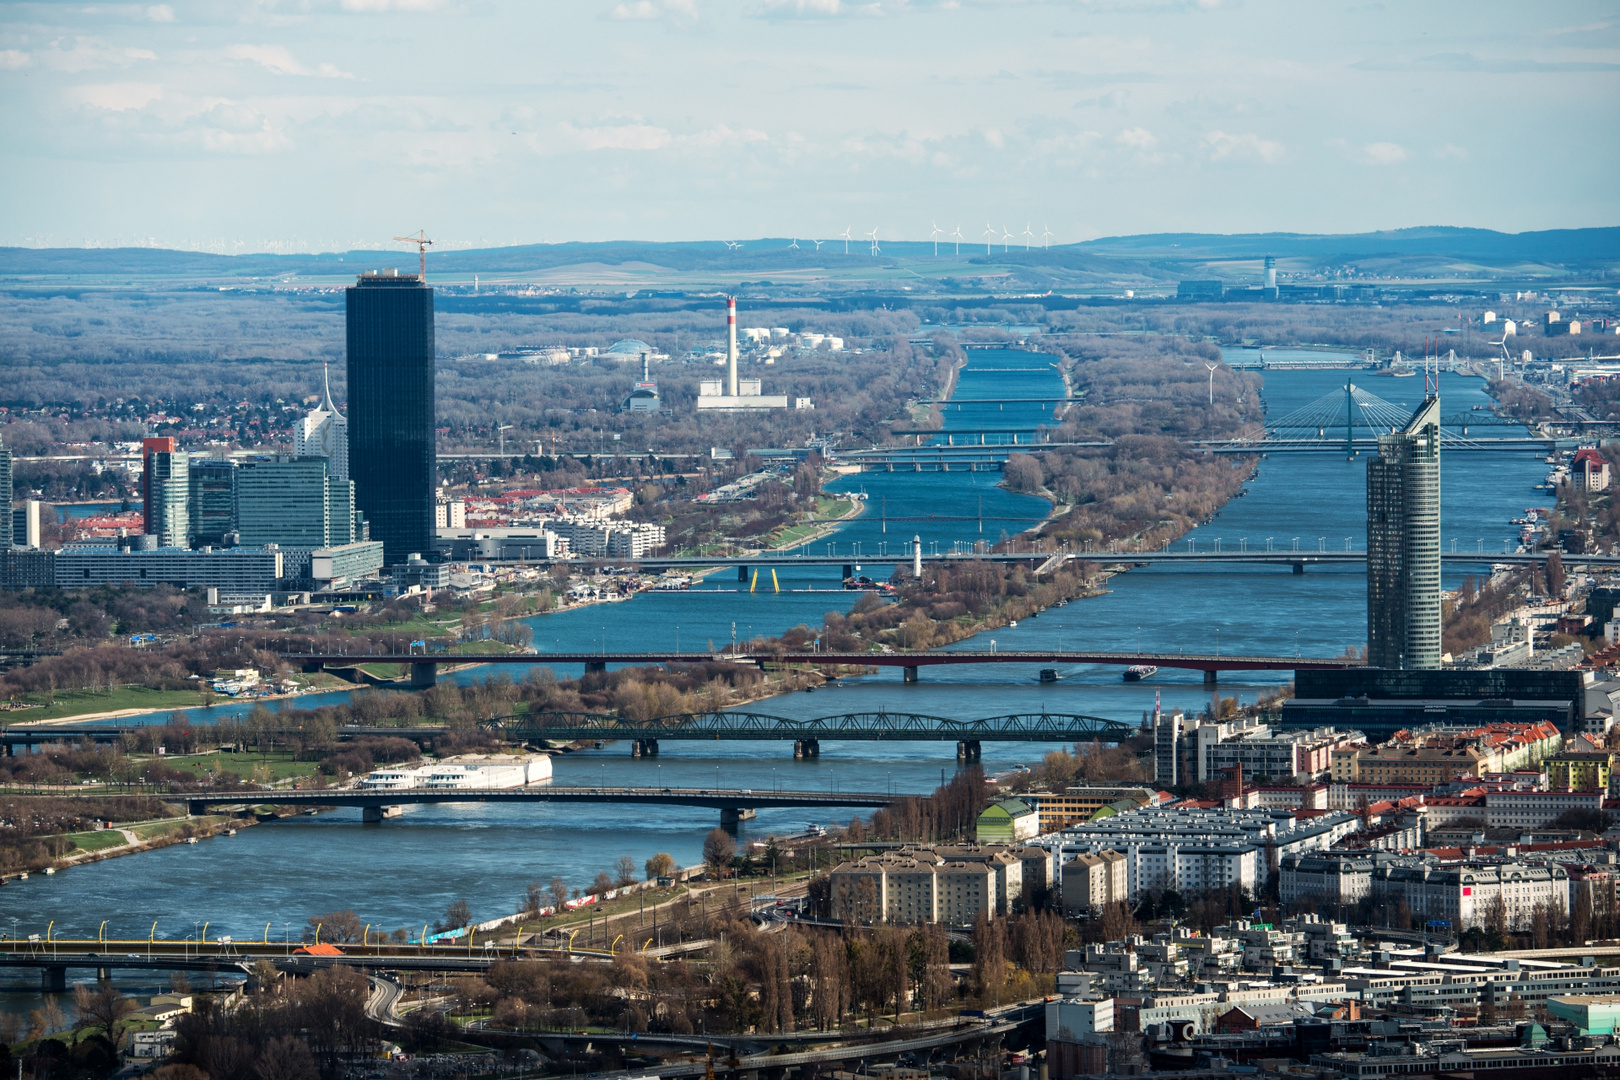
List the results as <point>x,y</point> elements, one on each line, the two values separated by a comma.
<point>1558,247</point>
<point>1159,256</point>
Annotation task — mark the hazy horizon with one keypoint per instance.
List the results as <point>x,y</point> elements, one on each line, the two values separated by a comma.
<point>334,125</point>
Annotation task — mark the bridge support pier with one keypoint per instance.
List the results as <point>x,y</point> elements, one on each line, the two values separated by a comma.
<point>424,676</point>
<point>849,571</point>
<point>1211,678</point>
<point>53,980</point>
<point>595,667</point>
<point>377,814</point>
<point>732,816</point>
<point>909,673</point>
<point>742,571</point>
<point>644,748</point>
<point>1299,568</point>
<point>806,748</point>
<point>967,750</point>
<point>103,974</point>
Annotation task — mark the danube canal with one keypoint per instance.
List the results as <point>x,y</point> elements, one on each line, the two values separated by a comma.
<point>406,871</point>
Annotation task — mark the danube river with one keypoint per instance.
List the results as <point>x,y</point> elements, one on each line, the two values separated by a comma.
<point>406,871</point>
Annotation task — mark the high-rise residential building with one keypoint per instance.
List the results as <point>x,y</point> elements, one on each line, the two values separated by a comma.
<point>6,493</point>
<point>324,433</point>
<point>166,489</point>
<point>391,409</point>
<point>212,501</point>
<point>1403,544</point>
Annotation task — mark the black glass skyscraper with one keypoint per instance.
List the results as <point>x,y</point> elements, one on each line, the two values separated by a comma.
<point>391,447</point>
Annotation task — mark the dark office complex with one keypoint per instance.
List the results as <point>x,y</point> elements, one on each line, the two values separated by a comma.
<point>1403,544</point>
<point>391,451</point>
<point>212,502</point>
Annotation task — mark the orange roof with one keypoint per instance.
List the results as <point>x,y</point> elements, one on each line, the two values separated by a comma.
<point>323,949</point>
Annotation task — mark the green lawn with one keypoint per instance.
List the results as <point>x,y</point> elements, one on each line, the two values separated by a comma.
<point>96,841</point>
<point>80,702</point>
<point>279,763</point>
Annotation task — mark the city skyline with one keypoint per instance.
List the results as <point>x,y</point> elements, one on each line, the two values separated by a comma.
<point>195,126</point>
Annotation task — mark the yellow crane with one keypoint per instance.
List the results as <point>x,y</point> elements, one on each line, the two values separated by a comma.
<point>421,241</point>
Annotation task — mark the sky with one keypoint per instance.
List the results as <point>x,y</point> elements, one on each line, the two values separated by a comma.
<point>321,125</point>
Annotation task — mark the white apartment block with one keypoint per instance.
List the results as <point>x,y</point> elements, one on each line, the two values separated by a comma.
<point>1091,881</point>
<point>948,885</point>
<point>1197,849</point>
<point>1535,809</point>
<point>1463,892</point>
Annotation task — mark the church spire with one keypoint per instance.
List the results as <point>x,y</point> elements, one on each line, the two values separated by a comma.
<point>326,377</point>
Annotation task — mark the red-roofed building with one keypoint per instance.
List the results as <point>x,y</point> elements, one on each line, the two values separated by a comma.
<point>1590,469</point>
<point>322,949</point>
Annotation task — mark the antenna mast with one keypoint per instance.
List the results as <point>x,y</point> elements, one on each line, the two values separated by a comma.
<point>421,241</point>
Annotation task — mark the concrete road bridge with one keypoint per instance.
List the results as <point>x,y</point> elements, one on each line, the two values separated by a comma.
<point>734,804</point>
<point>857,555</point>
<point>424,666</point>
<point>55,957</point>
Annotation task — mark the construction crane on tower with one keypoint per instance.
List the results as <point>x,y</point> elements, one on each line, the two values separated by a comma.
<point>421,241</point>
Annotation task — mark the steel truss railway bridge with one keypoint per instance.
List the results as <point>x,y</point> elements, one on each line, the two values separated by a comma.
<point>644,736</point>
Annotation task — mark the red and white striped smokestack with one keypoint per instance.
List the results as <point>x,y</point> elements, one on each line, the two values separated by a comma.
<point>731,345</point>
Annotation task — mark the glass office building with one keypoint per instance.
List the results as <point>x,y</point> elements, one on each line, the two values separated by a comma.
<point>168,497</point>
<point>391,409</point>
<point>212,501</point>
<point>1403,545</point>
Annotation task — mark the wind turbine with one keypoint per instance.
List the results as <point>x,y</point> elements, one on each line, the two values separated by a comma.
<point>1006,238</point>
<point>795,244</point>
<point>935,237</point>
<point>872,236</point>
<point>846,239</point>
<point>1212,368</point>
<point>1046,237</point>
<point>957,236</point>
<point>1027,235</point>
<point>989,236</point>
<point>732,245</point>
<point>818,243</point>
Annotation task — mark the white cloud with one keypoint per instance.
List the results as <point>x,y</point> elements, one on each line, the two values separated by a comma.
<point>160,13</point>
<point>377,6</point>
<point>620,136</point>
<point>995,138</point>
<point>278,61</point>
<point>119,97</point>
<point>805,8</point>
<point>1451,152</point>
<point>1383,153</point>
<point>1137,139</point>
<point>1251,146</point>
<point>643,9</point>
<point>11,59</point>
<point>89,54</point>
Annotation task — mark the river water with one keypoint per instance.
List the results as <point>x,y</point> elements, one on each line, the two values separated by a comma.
<point>406,871</point>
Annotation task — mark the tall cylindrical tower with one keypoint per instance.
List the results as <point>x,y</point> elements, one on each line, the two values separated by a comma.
<point>731,345</point>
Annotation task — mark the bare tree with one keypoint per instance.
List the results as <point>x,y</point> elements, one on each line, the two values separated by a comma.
<point>625,871</point>
<point>718,851</point>
<point>559,892</point>
<point>102,1007</point>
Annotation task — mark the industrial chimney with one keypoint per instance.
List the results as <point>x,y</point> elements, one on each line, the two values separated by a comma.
<point>1271,272</point>
<point>731,345</point>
